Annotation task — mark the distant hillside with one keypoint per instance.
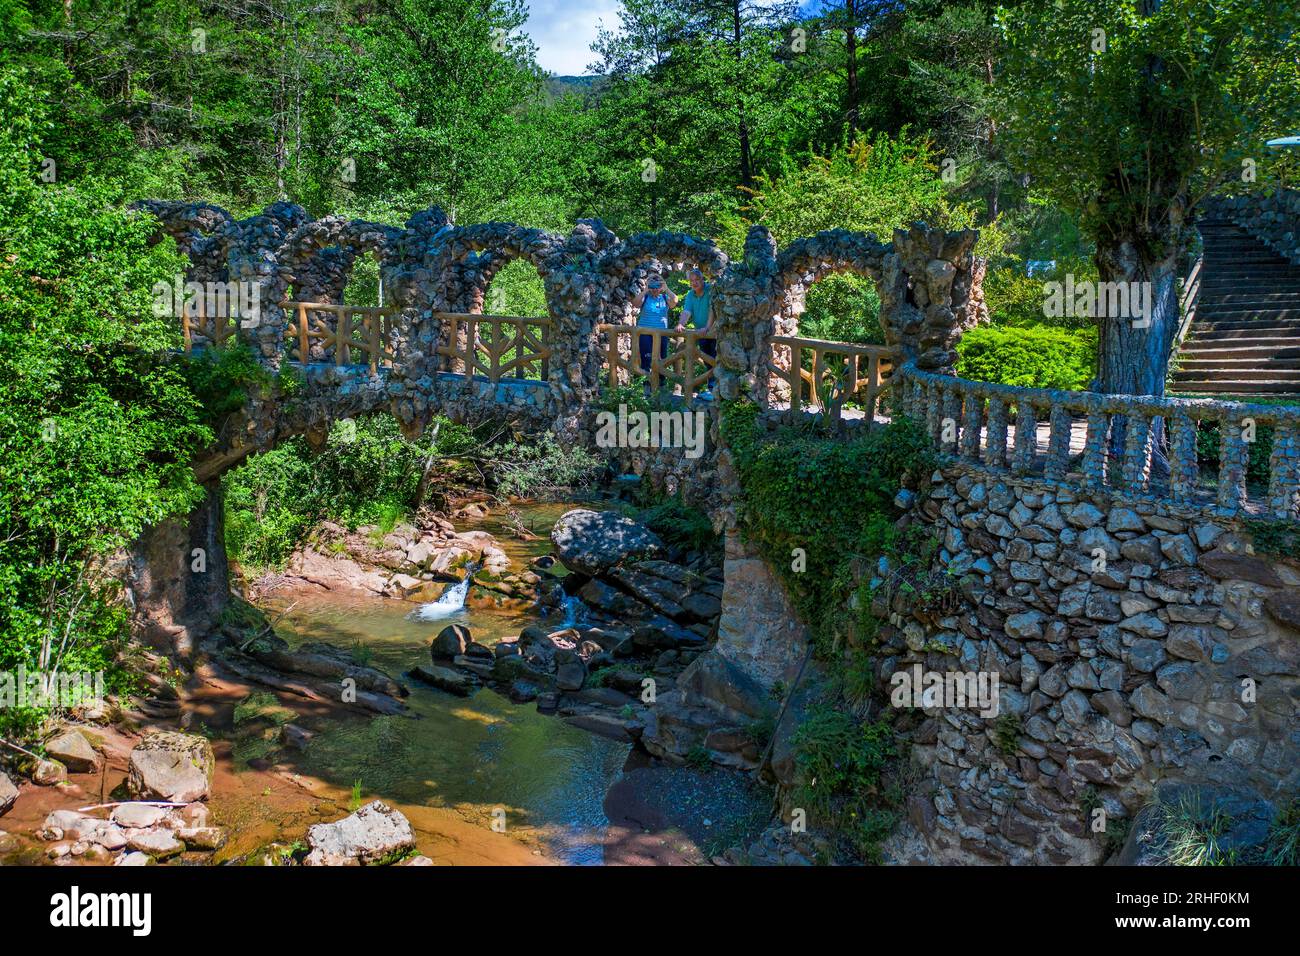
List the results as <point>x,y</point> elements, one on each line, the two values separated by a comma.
<point>557,86</point>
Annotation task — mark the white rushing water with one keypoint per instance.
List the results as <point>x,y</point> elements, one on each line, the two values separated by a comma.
<point>450,604</point>
<point>574,611</point>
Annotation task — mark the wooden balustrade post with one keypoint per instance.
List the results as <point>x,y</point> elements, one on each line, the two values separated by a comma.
<point>688,362</point>
<point>795,375</point>
<point>304,346</point>
<point>375,340</point>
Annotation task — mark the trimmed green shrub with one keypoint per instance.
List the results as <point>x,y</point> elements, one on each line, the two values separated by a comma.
<point>1033,357</point>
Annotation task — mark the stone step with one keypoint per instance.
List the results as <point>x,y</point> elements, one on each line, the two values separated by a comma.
<point>1196,386</point>
<point>1243,376</point>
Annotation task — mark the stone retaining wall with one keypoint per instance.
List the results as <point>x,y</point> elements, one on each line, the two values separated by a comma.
<point>1136,646</point>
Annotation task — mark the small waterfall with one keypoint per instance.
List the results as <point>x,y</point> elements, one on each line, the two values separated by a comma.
<point>574,611</point>
<point>452,601</point>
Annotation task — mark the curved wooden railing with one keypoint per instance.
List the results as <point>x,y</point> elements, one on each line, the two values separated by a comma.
<point>825,375</point>
<point>497,346</point>
<point>1137,446</point>
<point>677,360</point>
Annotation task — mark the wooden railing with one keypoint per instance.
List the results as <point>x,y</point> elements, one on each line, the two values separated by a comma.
<point>484,344</point>
<point>1136,446</point>
<point>347,334</point>
<point>1187,303</point>
<point>835,373</point>
<point>676,360</point>
<point>195,322</point>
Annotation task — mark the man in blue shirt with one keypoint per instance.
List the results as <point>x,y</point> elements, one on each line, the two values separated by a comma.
<point>653,304</point>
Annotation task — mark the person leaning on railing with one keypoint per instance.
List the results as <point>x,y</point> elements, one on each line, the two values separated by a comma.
<point>695,312</point>
<point>653,304</point>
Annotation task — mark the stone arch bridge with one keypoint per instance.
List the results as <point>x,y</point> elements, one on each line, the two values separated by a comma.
<point>1108,576</point>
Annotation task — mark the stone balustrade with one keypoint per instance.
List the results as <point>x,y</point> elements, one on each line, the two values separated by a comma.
<point>1124,448</point>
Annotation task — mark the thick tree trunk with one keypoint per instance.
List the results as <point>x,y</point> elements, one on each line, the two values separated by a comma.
<point>1133,357</point>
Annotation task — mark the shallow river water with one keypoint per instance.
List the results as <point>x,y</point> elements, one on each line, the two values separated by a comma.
<point>475,755</point>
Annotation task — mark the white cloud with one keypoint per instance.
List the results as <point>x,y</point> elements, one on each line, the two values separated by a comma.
<point>564,29</point>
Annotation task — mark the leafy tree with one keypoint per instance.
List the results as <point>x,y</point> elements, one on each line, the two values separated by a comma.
<point>95,430</point>
<point>1127,115</point>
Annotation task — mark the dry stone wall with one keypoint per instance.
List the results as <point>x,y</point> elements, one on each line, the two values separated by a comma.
<point>1137,646</point>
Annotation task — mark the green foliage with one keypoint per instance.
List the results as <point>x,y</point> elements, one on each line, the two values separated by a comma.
<point>542,466</point>
<point>1283,845</point>
<point>839,763</point>
<point>1006,733</point>
<point>96,427</point>
<point>1275,536</point>
<point>223,379</point>
<point>831,499</point>
<point>1028,356</point>
<point>679,524</point>
<point>1187,833</point>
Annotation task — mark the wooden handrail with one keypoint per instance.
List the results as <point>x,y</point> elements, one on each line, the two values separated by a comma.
<point>667,365</point>
<point>530,341</point>
<point>828,391</point>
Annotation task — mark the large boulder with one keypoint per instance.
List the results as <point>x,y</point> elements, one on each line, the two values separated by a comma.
<point>451,642</point>
<point>170,766</point>
<point>375,833</point>
<point>592,542</point>
<point>70,748</point>
<point>8,794</point>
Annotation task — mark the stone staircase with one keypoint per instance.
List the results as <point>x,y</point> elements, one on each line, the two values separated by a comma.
<point>1245,338</point>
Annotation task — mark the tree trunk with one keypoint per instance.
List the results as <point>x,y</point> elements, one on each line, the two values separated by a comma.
<point>1133,358</point>
<point>746,166</point>
<point>851,54</point>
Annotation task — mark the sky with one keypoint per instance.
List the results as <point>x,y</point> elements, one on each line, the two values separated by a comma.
<point>564,29</point>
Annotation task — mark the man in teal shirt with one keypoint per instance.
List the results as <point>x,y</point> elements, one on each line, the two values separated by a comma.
<point>695,311</point>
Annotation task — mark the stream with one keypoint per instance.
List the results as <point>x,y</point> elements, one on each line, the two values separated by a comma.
<point>473,755</point>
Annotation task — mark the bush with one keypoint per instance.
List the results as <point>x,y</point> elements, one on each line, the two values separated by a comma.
<point>1033,357</point>
<point>831,500</point>
<point>840,763</point>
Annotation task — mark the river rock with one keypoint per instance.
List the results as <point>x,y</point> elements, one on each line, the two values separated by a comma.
<point>445,678</point>
<point>134,858</point>
<point>450,642</point>
<point>73,750</point>
<point>159,844</point>
<point>592,542</point>
<point>171,766</point>
<point>8,794</point>
<point>570,674</point>
<point>49,773</point>
<point>374,832</point>
<point>138,815</point>
<point>202,838</point>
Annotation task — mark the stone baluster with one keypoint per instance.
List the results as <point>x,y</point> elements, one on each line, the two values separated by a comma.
<point>1283,483</point>
<point>1094,449</point>
<point>995,444</point>
<point>1137,453</point>
<point>1232,464</point>
<point>1026,438</point>
<point>951,412</point>
<point>1184,473</point>
<point>1058,444</point>
<point>972,420</point>
<point>934,411</point>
